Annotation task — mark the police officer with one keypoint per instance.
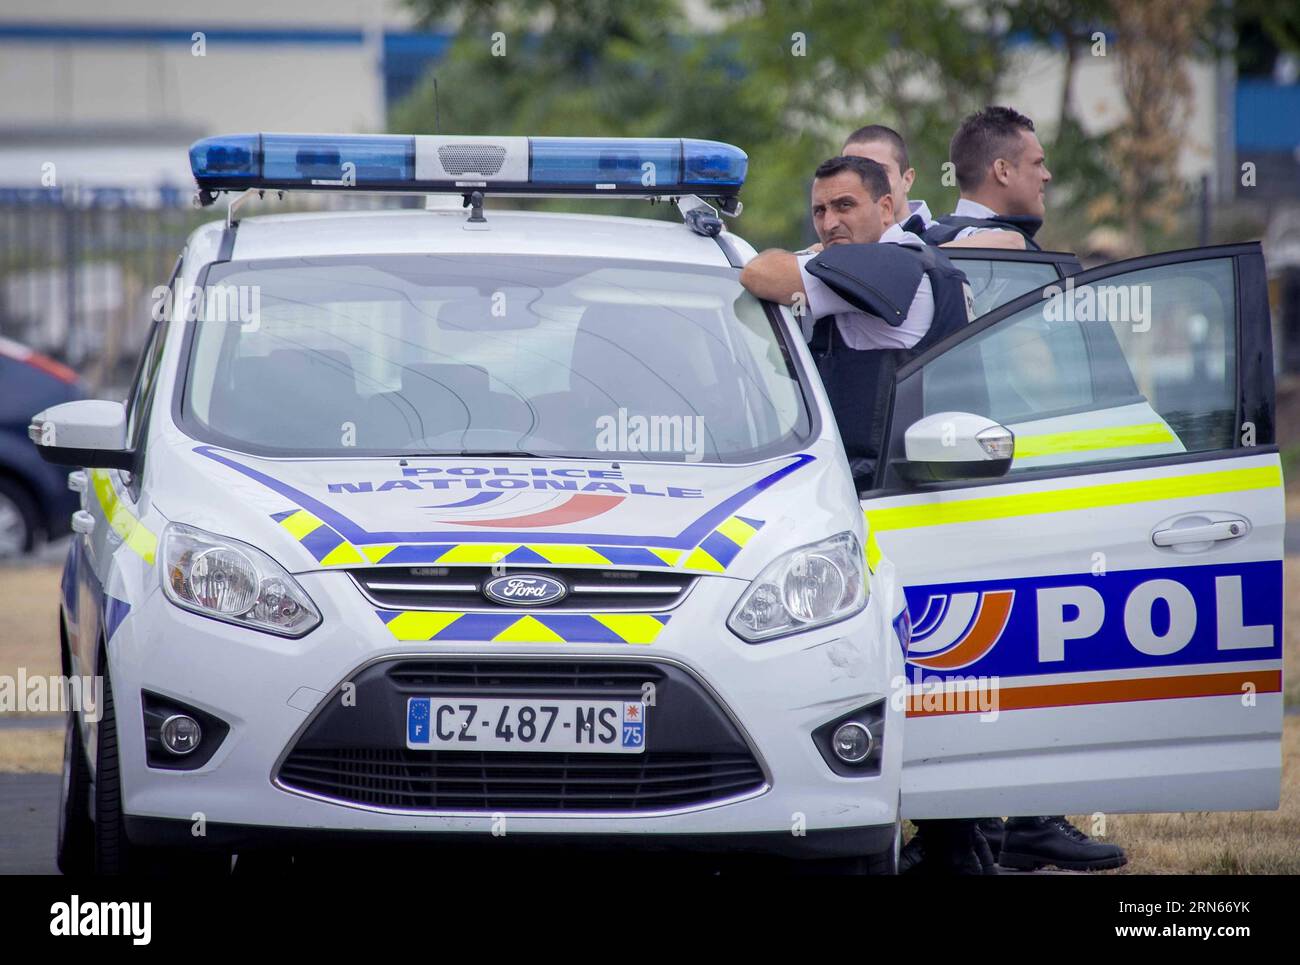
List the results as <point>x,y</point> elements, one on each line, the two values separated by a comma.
<point>1001,173</point>
<point>877,296</point>
<point>886,147</point>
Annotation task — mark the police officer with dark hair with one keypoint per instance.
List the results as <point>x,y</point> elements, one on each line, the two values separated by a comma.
<point>1001,173</point>
<point>886,147</point>
<point>877,296</point>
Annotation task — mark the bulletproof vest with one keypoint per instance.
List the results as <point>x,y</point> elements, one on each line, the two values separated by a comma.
<point>880,279</point>
<point>950,225</point>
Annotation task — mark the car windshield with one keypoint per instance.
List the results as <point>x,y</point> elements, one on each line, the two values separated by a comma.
<point>420,354</point>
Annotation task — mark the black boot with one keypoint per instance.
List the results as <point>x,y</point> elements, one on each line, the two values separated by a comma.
<point>911,860</point>
<point>984,852</point>
<point>1031,843</point>
<point>993,830</point>
<point>950,847</point>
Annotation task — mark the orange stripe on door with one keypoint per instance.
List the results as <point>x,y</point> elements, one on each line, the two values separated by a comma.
<point>1093,692</point>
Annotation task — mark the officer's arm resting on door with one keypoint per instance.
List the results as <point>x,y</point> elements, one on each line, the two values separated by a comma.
<point>773,276</point>
<point>779,276</point>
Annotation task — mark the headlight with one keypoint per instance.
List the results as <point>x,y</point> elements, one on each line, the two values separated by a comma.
<point>232,581</point>
<point>807,587</point>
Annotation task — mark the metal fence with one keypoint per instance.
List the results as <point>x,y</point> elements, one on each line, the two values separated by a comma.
<point>78,269</point>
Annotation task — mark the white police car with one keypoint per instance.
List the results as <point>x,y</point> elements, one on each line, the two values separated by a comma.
<point>438,524</point>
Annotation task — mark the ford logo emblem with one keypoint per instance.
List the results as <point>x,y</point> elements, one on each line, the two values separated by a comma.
<point>525,590</point>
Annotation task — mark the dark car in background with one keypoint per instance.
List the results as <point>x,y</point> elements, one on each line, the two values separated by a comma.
<point>35,502</point>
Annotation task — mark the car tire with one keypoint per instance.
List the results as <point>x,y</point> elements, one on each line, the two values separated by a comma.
<point>20,522</point>
<point>114,852</point>
<point>76,832</point>
<point>75,841</point>
<point>882,862</point>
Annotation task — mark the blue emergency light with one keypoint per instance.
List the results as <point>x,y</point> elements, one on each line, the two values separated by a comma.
<point>645,167</point>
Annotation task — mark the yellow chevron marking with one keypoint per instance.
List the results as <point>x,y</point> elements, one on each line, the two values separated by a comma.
<point>632,627</point>
<point>737,530</point>
<point>419,625</point>
<point>528,629</point>
<point>300,523</point>
<point>342,555</point>
<point>376,553</point>
<point>478,553</point>
<point>570,555</point>
<point>701,560</point>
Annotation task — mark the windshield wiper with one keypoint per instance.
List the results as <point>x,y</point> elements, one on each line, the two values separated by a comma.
<point>523,453</point>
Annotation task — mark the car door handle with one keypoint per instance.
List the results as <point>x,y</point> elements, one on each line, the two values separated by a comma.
<point>83,522</point>
<point>1224,529</point>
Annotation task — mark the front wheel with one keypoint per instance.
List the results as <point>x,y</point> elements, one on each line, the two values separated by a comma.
<point>76,842</point>
<point>114,852</point>
<point>882,862</point>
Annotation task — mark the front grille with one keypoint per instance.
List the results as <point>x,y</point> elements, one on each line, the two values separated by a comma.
<point>460,588</point>
<point>694,753</point>
<point>501,781</point>
<point>613,680</point>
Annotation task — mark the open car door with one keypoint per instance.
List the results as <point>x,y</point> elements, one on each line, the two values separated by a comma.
<point>1099,629</point>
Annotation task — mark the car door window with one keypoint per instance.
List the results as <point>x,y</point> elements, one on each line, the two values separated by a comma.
<point>994,283</point>
<point>141,389</point>
<point>1143,366</point>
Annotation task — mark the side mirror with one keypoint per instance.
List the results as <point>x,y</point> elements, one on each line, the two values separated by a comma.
<point>88,432</point>
<point>956,445</point>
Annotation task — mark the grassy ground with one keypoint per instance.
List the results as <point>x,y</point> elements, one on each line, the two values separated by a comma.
<point>29,638</point>
<point>1231,842</point>
<point>1256,842</point>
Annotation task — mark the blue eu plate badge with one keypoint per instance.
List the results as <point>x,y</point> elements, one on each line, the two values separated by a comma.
<point>417,721</point>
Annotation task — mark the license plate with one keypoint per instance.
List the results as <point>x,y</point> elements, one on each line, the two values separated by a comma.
<point>479,724</point>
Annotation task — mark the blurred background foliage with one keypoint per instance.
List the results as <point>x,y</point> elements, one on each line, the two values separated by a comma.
<point>786,80</point>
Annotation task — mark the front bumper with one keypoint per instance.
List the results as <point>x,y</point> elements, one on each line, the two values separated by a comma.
<point>823,843</point>
<point>765,700</point>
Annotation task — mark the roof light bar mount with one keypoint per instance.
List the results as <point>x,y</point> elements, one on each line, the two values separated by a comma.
<point>474,201</point>
<point>700,216</point>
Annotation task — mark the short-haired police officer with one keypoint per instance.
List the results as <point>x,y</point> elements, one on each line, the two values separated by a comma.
<point>1001,173</point>
<point>886,147</point>
<point>877,296</point>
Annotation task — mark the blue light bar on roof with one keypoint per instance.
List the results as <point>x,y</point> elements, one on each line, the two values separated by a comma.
<point>460,163</point>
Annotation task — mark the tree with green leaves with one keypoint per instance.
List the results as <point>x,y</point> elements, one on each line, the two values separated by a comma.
<point>785,81</point>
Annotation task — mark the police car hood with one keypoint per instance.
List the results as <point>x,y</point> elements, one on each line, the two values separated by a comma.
<point>325,513</point>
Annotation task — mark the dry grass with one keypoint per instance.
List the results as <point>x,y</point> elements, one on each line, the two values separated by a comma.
<point>29,635</point>
<point>1291,633</point>
<point>1231,842</point>
<point>32,751</point>
<point>29,638</point>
